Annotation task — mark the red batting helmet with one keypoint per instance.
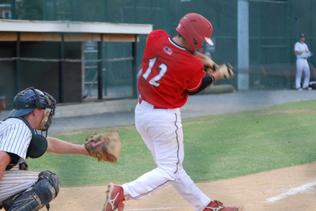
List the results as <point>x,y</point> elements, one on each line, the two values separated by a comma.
<point>195,29</point>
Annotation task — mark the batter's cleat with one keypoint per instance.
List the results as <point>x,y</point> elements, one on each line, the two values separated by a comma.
<point>218,206</point>
<point>114,198</point>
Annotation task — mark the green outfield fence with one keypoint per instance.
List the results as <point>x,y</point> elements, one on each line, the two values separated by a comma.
<point>274,26</point>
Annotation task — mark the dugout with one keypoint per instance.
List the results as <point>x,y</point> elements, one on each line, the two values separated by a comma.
<point>48,55</point>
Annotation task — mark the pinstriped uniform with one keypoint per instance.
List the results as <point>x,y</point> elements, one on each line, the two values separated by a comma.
<point>15,138</point>
<point>15,181</point>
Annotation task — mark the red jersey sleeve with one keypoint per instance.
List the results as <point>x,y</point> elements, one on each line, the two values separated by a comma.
<point>153,37</point>
<point>197,74</point>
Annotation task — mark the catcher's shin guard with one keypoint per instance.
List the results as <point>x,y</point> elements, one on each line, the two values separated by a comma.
<point>39,195</point>
<point>114,198</point>
<point>218,206</point>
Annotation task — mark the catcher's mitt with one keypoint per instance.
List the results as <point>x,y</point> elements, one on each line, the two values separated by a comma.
<point>104,146</point>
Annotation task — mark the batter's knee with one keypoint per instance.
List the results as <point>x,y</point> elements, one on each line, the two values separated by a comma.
<point>170,170</point>
<point>39,195</point>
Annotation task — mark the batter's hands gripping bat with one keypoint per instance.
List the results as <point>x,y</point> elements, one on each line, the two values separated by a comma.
<point>224,71</point>
<point>209,64</point>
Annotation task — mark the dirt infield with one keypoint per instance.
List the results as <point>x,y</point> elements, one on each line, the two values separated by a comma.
<point>289,189</point>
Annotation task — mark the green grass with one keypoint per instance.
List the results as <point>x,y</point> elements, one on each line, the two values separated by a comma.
<point>216,147</point>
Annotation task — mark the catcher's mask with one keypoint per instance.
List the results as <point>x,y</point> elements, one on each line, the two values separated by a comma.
<point>29,99</point>
<point>195,29</point>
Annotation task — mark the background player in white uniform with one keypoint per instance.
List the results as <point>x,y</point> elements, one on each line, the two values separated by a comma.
<point>170,73</point>
<point>302,68</point>
<point>20,189</point>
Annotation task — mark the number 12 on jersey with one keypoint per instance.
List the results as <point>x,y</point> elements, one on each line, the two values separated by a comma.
<point>162,71</point>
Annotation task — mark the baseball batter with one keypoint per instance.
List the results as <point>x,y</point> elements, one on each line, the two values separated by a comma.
<point>171,71</point>
<point>302,54</point>
<point>20,189</point>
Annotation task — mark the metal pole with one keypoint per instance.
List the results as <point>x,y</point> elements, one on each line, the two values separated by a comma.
<point>134,67</point>
<point>61,68</point>
<point>18,64</point>
<point>105,73</point>
<point>100,69</point>
<point>243,44</point>
<point>13,9</point>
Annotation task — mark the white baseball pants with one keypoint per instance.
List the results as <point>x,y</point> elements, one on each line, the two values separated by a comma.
<point>161,130</point>
<point>302,67</point>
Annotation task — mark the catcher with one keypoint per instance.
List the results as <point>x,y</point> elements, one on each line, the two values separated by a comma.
<point>33,111</point>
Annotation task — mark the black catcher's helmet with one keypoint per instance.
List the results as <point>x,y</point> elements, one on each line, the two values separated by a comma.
<point>29,99</point>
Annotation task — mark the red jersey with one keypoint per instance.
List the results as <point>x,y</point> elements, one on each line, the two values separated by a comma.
<point>168,72</point>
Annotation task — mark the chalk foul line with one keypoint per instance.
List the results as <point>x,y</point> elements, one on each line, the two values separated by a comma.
<point>292,191</point>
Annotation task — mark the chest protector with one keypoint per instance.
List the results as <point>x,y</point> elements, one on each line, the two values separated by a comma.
<point>38,146</point>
